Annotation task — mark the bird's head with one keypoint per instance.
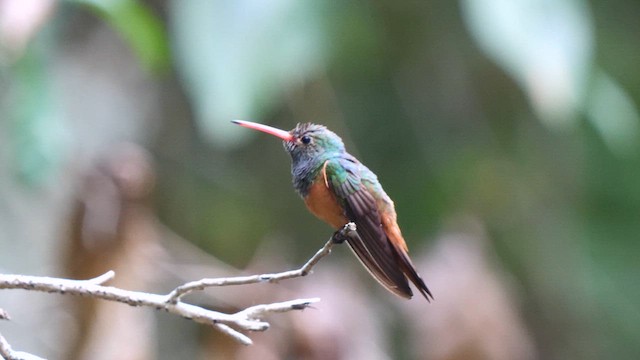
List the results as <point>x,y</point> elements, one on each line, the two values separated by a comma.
<point>305,142</point>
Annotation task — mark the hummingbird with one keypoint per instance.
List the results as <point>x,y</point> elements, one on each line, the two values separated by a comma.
<point>338,189</point>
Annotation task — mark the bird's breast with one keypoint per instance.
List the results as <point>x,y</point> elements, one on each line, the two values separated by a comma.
<point>322,202</point>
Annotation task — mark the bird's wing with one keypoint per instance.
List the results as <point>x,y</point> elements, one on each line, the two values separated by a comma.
<point>371,245</point>
<point>394,235</point>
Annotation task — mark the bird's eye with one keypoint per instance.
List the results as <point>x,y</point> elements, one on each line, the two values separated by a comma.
<point>305,139</point>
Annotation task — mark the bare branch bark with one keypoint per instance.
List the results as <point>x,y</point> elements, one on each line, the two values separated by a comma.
<point>249,319</point>
<point>6,352</point>
<point>136,298</point>
<point>182,290</point>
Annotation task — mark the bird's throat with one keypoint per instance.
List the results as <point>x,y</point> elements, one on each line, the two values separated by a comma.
<point>304,174</point>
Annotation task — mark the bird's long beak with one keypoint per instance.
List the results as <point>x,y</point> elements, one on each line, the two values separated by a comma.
<point>284,135</point>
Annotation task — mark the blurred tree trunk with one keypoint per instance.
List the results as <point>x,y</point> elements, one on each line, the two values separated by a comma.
<point>112,229</point>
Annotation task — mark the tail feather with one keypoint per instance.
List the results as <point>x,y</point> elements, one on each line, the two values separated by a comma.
<point>410,271</point>
<point>386,272</point>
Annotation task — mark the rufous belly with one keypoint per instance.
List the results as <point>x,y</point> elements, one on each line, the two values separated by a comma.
<point>323,204</point>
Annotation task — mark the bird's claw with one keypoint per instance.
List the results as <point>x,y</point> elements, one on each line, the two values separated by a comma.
<point>343,234</point>
<point>338,237</point>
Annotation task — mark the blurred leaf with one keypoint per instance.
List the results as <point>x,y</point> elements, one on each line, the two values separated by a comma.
<point>39,136</point>
<point>138,26</point>
<point>238,58</point>
<point>20,21</point>
<point>545,45</point>
<point>612,112</point>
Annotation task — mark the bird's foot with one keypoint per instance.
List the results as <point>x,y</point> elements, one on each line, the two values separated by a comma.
<point>338,237</point>
<point>344,234</point>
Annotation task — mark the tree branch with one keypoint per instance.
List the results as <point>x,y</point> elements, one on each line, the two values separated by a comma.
<point>248,319</point>
<point>182,290</point>
<point>6,352</point>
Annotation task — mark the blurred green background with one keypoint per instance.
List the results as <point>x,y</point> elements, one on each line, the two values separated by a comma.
<point>506,131</point>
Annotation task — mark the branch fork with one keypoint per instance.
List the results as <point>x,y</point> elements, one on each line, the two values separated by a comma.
<point>249,319</point>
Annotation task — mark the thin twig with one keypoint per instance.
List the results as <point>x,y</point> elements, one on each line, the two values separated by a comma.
<point>6,352</point>
<point>100,280</point>
<point>134,298</point>
<point>183,290</point>
<point>248,319</point>
<point>240,337</point>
